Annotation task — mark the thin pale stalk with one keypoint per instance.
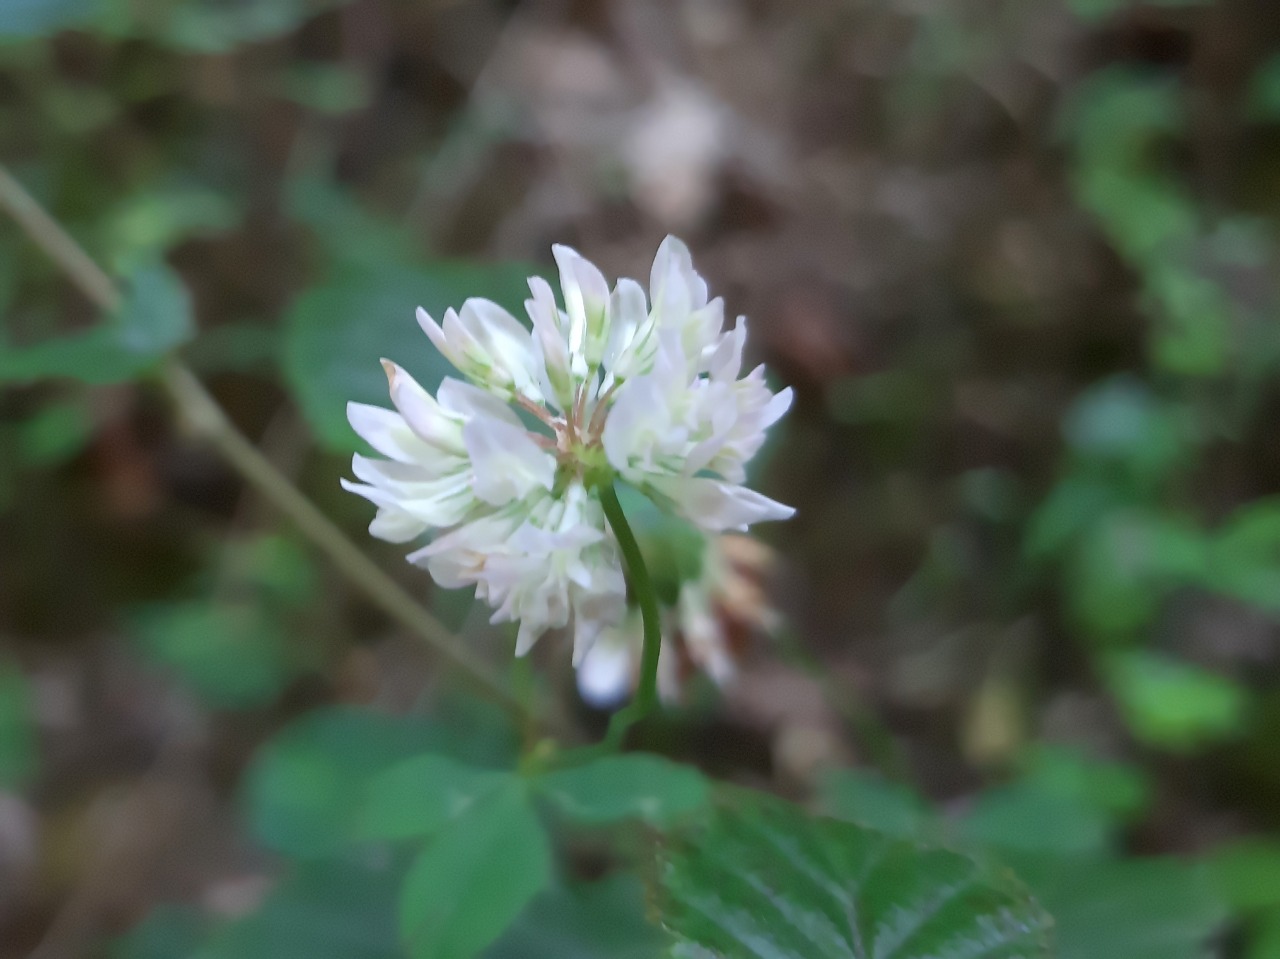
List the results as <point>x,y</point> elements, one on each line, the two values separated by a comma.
<point>200,409</point>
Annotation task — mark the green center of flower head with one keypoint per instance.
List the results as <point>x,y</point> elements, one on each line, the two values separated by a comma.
<point>577,437</point>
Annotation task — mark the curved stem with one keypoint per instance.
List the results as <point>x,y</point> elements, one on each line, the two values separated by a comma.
<point>203,413</point>
<point>642,589</point>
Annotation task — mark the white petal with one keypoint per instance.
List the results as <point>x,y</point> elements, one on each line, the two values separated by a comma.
<point>530,632</point>
<point>467,402</point>
<point>605,673</point>
<point>595,609</point>
<point>574,307</point>
<point>629,349</point>
<point>436,335</point>
<point>675,289</point>
<point>639,413</point>
<point>726,361</point>
<point>388,433</point>
<point>507,463</point>
<point>434,500</point>
<point>505,344</point>
<point>550,342</point>
<point>586,303</point>
<point>396,526</point>
<point>717,506</point>
<point>422,413</point>
<point>776,408</point>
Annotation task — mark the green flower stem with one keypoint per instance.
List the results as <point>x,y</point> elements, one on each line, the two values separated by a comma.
<point>200,409</point>
<point>642,589</point>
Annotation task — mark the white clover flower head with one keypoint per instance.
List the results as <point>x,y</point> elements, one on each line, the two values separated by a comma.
<point>613,384</point>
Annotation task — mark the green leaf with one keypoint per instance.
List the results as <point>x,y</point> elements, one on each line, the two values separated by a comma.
<point>633,786</point>
<point>421,795</point>
<point>236,348</point>
<point>1121,424</point>
<point>306,787</point>
<point>327,910</point>
<point>277,568</point>
<point>1174,704</point>
<point>1101,9</point>
<point>168,931</point>
<point>336,334</point>
<point>1120,790</point>
<point>233,656</point>
<point>1124,909</point>
<point>469,883</point>
<point>326,88</point>
<point>55,433</point>
<point>597,920</point>
<point>154,318</point>
<point>1245,555</point>
<point>33,18</point>
<point>17,734</point>
<point>1125,566</point>
<point>1264,937</point>
<point>1263,101</point>
<point>1026,816</point>
<point>163,214</point>
<point>867,799</point>
<point>1195,315</point>
<point>218,26</point>
<point>1070,510</point>
<point>764,880</point>
<point>1247,873</point>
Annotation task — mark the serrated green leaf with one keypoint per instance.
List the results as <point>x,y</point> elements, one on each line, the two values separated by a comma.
<point>469,883</point>
<point>764,880</point>
<point>154,318</point>
<point>633,786</point>
<point>336,334</point>
<point>422,795</point>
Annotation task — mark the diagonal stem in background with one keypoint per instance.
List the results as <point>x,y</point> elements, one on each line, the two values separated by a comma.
<point>200,409</point>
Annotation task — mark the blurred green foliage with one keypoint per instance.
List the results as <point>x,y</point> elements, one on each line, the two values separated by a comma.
<point>445,832</point>
<point>154,318</point>
<point>1059,825</point>
<point>17,731</point>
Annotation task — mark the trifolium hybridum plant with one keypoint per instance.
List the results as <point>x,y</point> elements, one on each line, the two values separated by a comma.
<point>613,385</point>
